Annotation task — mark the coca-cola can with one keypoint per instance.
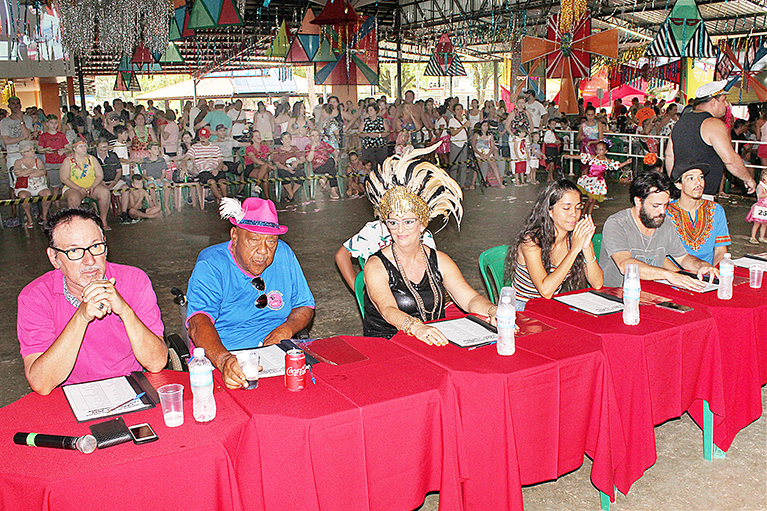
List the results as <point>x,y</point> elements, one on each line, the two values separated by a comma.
<point>295,370</point>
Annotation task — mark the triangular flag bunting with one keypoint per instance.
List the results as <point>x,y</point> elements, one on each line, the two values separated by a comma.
<point>311,44</point>
<point>172,55</point>
<point>307,27</point>
<point>173,32</point>
<point>281,43</point>
<point>325,52</point>
<point>124,64</point>
<point>134,86</point>
<point>296,54</point>
<point>200,17</point>
<point>141,54</point>
<point>127,76</point>
<point>120,83</point>
<point>229,14</point>
<point>185,30</point>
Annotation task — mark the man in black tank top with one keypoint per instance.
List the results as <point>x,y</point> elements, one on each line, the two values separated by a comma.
<point>700,136</point>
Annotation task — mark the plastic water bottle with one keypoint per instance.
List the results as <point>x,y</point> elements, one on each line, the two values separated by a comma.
<point>506,317</point>
<point>201,379</point>
<point>632,290</point>
<point>726,272</point>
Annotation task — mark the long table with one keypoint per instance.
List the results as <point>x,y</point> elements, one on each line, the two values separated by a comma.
<point>410,419</point>
<point>529,417</point>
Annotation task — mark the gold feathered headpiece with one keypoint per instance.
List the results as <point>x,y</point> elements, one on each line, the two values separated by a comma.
<point>407,183</point>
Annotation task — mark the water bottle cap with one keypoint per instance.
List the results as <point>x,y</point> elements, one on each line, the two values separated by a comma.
<point>508,295</point>
<point>727,255</point>
<point>198,352</point>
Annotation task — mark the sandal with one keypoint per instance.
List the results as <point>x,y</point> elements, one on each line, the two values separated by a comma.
<point>753,241</point>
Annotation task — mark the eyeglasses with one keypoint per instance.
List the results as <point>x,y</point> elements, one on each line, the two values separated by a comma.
<point>259,285</point>
<point>75,254</point>
<point>408,224</point>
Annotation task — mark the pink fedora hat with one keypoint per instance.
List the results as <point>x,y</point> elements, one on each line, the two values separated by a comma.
<point>254,215</point>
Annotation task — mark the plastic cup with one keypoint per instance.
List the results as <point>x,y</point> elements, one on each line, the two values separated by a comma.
<point>172,403</point>
<point>755,274</point>
<point>249,363</point>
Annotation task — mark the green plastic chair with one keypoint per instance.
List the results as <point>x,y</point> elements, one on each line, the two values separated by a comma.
<point>359,287</point>
<point>596,240</point>
<point>491,262</point>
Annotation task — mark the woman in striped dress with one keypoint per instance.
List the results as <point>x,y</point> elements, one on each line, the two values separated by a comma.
<point>553,251</point>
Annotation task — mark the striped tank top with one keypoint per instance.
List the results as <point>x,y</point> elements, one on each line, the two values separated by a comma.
<point>523,285</point>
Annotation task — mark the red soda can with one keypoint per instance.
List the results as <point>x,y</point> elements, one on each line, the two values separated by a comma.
<point>295,370</point>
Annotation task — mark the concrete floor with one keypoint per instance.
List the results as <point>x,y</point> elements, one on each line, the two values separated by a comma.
<point>167,249</point>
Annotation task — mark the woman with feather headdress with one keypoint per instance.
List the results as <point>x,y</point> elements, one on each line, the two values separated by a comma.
<point>405,282</point>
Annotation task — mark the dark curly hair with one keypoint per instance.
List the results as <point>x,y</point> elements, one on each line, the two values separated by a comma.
<point>539,228</point>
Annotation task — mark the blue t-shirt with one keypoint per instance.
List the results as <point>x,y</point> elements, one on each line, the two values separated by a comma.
<point>222,290</point>
<point>216,117</point>
<point>702,234</point>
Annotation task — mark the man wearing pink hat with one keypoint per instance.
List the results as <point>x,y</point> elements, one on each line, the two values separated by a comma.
<point>247,292</point>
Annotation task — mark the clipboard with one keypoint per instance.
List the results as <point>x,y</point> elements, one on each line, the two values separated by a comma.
<point>96,399</point>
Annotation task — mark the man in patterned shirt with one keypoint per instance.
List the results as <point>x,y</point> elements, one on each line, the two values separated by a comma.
<point>701,224</point>
<point>372,237</point>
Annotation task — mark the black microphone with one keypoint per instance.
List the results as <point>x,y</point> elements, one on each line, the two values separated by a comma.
<point>85,444</point>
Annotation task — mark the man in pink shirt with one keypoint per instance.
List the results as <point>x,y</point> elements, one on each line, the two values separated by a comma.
<point>87,319</point>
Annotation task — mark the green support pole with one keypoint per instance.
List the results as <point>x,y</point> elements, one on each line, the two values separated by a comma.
<point>710,450</point>
<point>604,501</point>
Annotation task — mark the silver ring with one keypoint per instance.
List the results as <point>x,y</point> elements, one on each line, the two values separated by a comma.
<point>428,335</point>
<point>101,306</point>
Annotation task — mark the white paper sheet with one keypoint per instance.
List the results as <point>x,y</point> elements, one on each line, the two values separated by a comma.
<point>591,303</point>
<point>747,262</point>
<point>464,332</point>
<point>272,360</point>
<point>93,400</point>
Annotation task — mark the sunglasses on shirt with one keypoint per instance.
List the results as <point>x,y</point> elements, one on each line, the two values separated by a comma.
<point>259,285</point>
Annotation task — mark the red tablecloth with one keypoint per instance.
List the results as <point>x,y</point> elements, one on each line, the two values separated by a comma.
<point>529,417</point>
<point>760,320</point>
<point>736,322</point>
<point>375,434</point>
<point>189,467</point>
<point>657,370</point>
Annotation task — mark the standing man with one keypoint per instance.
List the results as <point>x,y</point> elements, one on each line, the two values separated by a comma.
<point>14,130</point>
<point>701,137</point>
<point>639,235</point>
<point>239,119</point>
<point>87,319</point>
<point>215,117</point>
<point>700,224</point>
<point>536,109</point>
<point>247,292</point>
<point>459,137</point>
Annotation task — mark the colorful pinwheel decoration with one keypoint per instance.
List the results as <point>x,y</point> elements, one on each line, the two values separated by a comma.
<point>748,78</point>
<point>356,62</point>
<point>568,54</point>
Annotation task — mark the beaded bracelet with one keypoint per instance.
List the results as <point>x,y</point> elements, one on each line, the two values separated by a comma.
<point>491,310</point>
<point>409,323</point>
<point>593,260</point>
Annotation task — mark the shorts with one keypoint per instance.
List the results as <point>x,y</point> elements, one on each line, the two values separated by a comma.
<point>231,166</point>
<point>284,173</point>
<point>205,176</point>
<point>35,185</point>
<point>53,174</point>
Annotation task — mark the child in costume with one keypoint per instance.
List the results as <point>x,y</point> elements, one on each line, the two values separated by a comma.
<point>593,184</point>
<point>758,213</point>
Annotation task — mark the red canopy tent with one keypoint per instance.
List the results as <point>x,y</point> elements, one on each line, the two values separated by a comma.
<point>625,92</point>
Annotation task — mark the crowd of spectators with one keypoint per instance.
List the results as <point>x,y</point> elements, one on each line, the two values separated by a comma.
<point>211,147</point>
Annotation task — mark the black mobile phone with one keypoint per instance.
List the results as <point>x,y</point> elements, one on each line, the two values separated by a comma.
<point>142,433</point>
<point>674,306</point>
